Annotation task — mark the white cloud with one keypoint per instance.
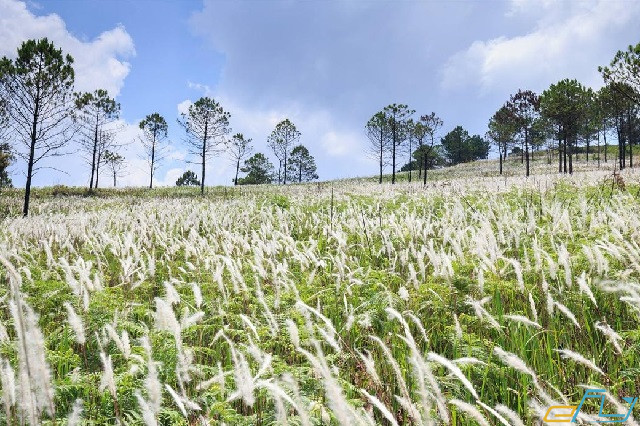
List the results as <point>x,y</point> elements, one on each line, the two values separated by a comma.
<point>334,146</point>
<point>205,89</point>
<point>568,43</point>
<point>319,131</point>
<point>99,63</point>
<point>341,144</point>
<point>183,107</point>
<point>171,177</point>
<point>326,141</point>
<point>533,7</point>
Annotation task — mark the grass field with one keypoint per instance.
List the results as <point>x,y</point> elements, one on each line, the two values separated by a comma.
<point>474,300</point>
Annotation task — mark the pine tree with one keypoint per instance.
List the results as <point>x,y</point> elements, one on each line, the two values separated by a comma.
<point>154,130</point>
<point>96,114</point>
<point>259,170</point>
<point>302,165</point>
<point>280,141</point>
<point>38,89</point>
<point>206,124</point>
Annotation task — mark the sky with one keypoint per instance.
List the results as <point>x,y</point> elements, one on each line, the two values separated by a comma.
<point>327,65</point>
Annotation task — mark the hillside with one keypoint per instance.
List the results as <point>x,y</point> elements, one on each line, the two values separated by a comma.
<point>477,297</point>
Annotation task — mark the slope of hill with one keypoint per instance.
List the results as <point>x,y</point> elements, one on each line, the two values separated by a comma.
<point>477,297</point>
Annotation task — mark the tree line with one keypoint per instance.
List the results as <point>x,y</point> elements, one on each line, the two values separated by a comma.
<point>566,118</point>
<point>569,117</point>
<point>41,114</point>
<point>393,132</point>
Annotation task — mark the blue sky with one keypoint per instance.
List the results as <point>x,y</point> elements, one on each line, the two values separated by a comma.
<point>328,65</point>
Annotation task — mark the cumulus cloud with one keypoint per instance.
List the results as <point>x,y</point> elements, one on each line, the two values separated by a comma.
<point>99,63</point>
<point>183,107</point>
<point>329,66</point>
<point>327,69</point>
<point>566,40</point>
<point>171,177</point>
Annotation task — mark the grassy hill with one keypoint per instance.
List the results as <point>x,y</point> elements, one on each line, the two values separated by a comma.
<point>476,300</point>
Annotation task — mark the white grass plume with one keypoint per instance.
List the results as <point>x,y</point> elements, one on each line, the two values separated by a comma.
<point>148,416</point>
<point>177,399</point>
<point>418,324</point>
<point>75,417</point>
<point>494,412</point>
<point>522,320</point>
<point>567,312</point>
<point>293,333</point>
<point>8,382</point>
<point>611,335</point>
<point>584,287</point>
<point>165,319</point>
<point>468,361</point>
<point>244,380</point>
<point>455,370</point>
<point>511,415</point>
<point>441,402</point>
<point>458,328</point>
<point>171,294</point>
<point>4,336</point>
<point>481,312</point>
<point>245,319</point>
<point>471,411</point>
<point>289,380</point>
<point>413,413</point>
<point>76,323</point>
<point>197,294</point>
<point>344,412</point>
<point>513,361</point>
<point>34,374</point>
<point>579,359</point>
<point>151,382</point>
<point>534,311</point>
<point>188,320</point>
<point>107,381</point>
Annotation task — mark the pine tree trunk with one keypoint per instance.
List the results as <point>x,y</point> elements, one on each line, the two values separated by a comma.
<point>559,153</point>
<point>588,140</point>
<point>235,181</point>
<point>93,158</point>
<point>598,149</point>
<point>410,165</point>
<point>630,138</point>
<point>32,150</point>
<point>204,155</point>
<point>419,162</point>
<point>98,168</point>
<point>153,159</point>
<point>571,156</point>
<point>27,192</point>
<point>620,145</point>
<point>604,135</point>
<point>284,170</point>
<point>564,153</point>
<point>393,156</point>
<point>279,171</point>
<point>426,163</point>
<point>381,154</point>
<point>526,149</point>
